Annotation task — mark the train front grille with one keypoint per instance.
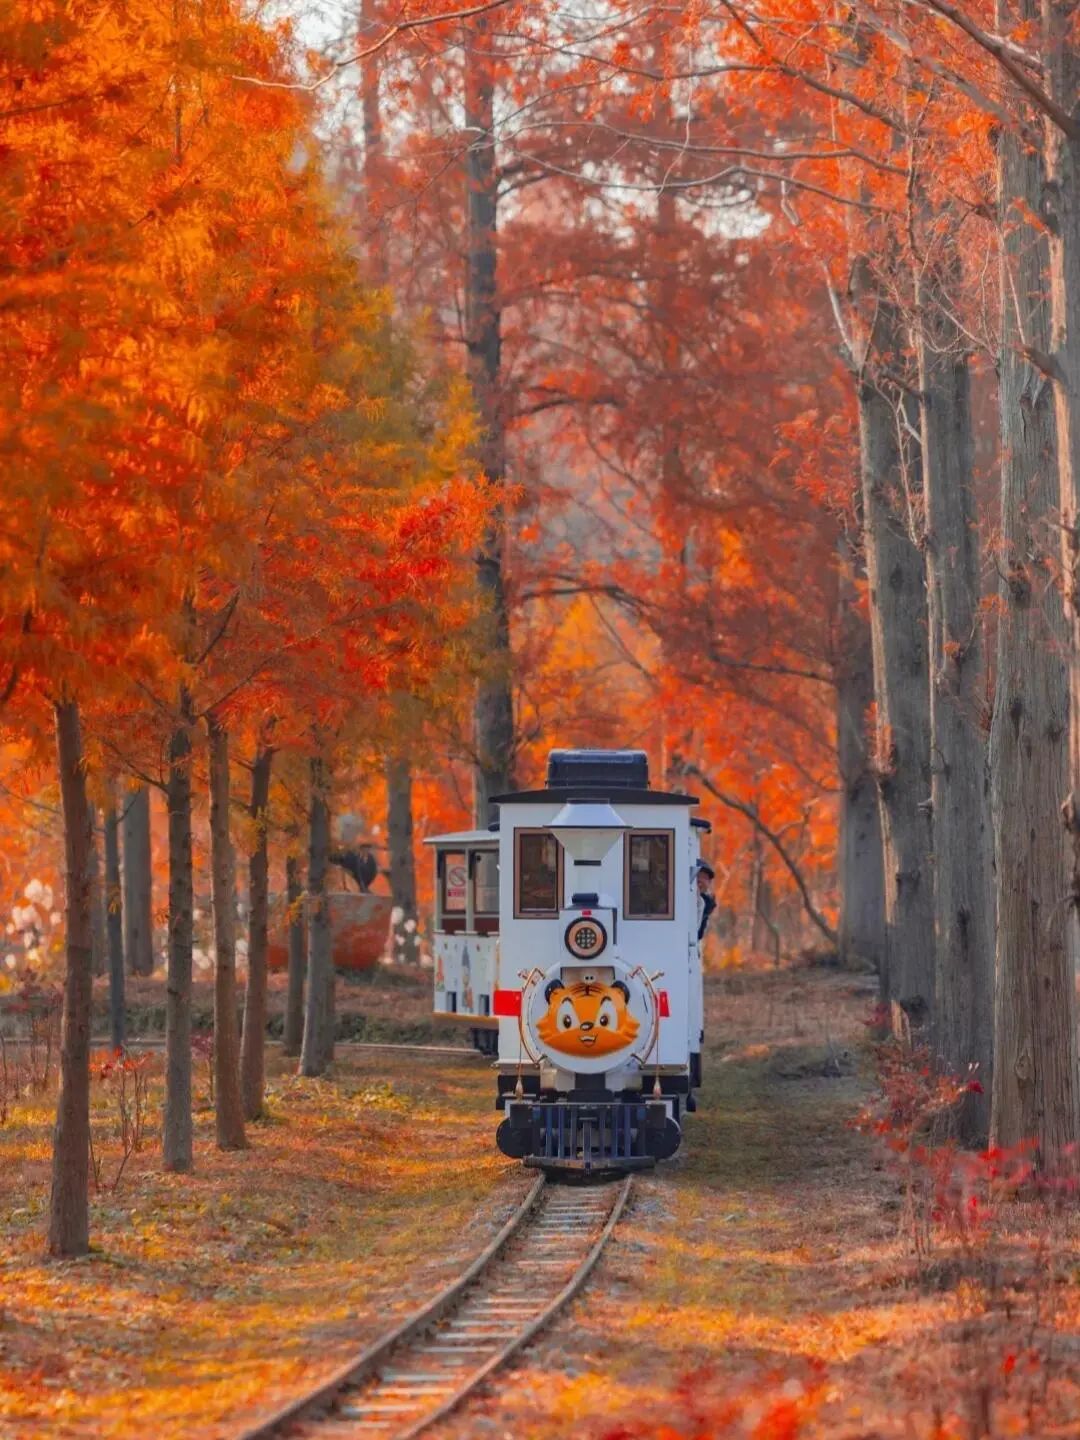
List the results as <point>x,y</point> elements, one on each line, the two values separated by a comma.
<point>597,1135</point>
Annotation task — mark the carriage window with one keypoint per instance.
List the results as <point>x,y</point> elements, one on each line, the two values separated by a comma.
<point>539,873</point>
<point>453,883</point>
<point>486,883</point>
<point>648,891</point>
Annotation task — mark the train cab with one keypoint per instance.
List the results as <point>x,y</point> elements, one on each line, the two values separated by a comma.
<point>592,971</point>
<point>466,940</point>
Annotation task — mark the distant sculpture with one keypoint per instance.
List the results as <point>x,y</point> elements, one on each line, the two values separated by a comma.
<point>360,863</point>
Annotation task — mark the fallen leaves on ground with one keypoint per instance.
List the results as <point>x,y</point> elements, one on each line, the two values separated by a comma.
<point>211,1297</point>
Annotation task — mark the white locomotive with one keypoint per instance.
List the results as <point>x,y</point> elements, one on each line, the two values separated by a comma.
<point>566,937</point>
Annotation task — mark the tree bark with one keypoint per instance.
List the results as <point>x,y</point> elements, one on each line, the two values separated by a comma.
<point>97,889</point>
<point>253,1043</point>
<point>1060,197</point>
<point>318,1045</point>
<point>963,839</point>
<point>138,883</point>
<point>114,930</point>
<point>228,1104</point>
<point>404,939</point>
<point>177,1147</point>
<point>494,713</point>
<point>862,878</point>
<point>69,1221</point>
<point>898,623</point>
<point>1034,1089</point>
<point>294,1000</point>
<point>404,943</point>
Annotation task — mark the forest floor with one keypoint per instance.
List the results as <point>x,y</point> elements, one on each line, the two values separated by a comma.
<point>384,1004</point>
<point>210,1298</point>
<point>779,1280</point>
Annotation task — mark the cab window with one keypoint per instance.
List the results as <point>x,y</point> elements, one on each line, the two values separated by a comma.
<point>538,873</point>
<point>486,883</point>
<point>648,893</point>
<point>453,882</point>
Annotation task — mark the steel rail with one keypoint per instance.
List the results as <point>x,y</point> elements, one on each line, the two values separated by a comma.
<point>338,1404</point>
<point>356,1370</point>
<point>519,1341</point>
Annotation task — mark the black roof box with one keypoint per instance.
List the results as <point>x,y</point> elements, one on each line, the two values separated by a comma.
<point>611,769</point>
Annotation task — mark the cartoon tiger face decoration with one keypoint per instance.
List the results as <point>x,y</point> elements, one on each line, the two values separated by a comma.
<point>587,1018</point>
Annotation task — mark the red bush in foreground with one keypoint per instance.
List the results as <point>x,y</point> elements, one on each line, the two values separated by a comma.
<point>775,1407</point>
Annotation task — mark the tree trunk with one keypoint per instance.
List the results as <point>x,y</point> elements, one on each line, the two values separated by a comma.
<point>1061,208</point>
<point>228,1105</point>
<point>404,939</point>
<point>69,1222</point>
<point>898,623</point>
<point>177,1133</point>
<point>963,838</point>
<point>294,1000</point>
<point>97,891</point>
<point>1034,1089</point>
<point>114,930</point>
<point>318,1046</point>
<point>494,715</point>
<point>253,1044</point>
<point>862,879</point>
<point>138,894</point>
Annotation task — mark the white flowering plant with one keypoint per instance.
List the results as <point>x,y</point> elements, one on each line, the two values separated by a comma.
<point>33,935</point>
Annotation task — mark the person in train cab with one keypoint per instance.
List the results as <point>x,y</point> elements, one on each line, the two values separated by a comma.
<point>705,898</point>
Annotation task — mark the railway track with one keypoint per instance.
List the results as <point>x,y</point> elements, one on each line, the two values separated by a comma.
<point>423,1370</point>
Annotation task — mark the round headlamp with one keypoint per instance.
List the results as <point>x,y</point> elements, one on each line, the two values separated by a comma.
<point>585,937</point>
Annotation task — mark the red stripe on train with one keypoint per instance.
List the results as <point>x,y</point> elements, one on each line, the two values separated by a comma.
<point>506,1002</point>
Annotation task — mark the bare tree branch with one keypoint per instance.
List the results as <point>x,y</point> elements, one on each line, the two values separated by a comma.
<point>750,813</point>
<point>394,31</point>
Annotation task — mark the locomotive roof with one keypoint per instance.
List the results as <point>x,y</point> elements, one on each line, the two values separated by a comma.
<point>464,837</point>
<point>618,776</point>
<point>616,794</point>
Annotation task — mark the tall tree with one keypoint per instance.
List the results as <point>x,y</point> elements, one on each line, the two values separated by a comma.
<point>862,876</point>
<point>494,720</point>
<point>69,1224</point>
<point>114,928</point>
<point>898,619</point>
<point>228,1102</point>
<point>405,939</point>
<point>294,998</point>
<point>964,900</point>
<point>177,1132</point>
<point>253,1040</point>
<point>138,881</point>
<point>318,1045</point>
<point>101,942</point>
<point>1035,1084</point>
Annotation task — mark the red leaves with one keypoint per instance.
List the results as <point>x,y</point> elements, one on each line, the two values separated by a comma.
<point>704,1405</point>
<point>121,1063</point>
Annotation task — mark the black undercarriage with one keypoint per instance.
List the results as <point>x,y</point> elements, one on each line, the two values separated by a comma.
<point>589,1136</point>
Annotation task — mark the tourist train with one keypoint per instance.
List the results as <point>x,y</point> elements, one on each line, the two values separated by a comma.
<point>567,940</point>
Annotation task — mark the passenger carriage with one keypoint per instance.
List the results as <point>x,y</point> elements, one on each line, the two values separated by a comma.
<point>567,933</point>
